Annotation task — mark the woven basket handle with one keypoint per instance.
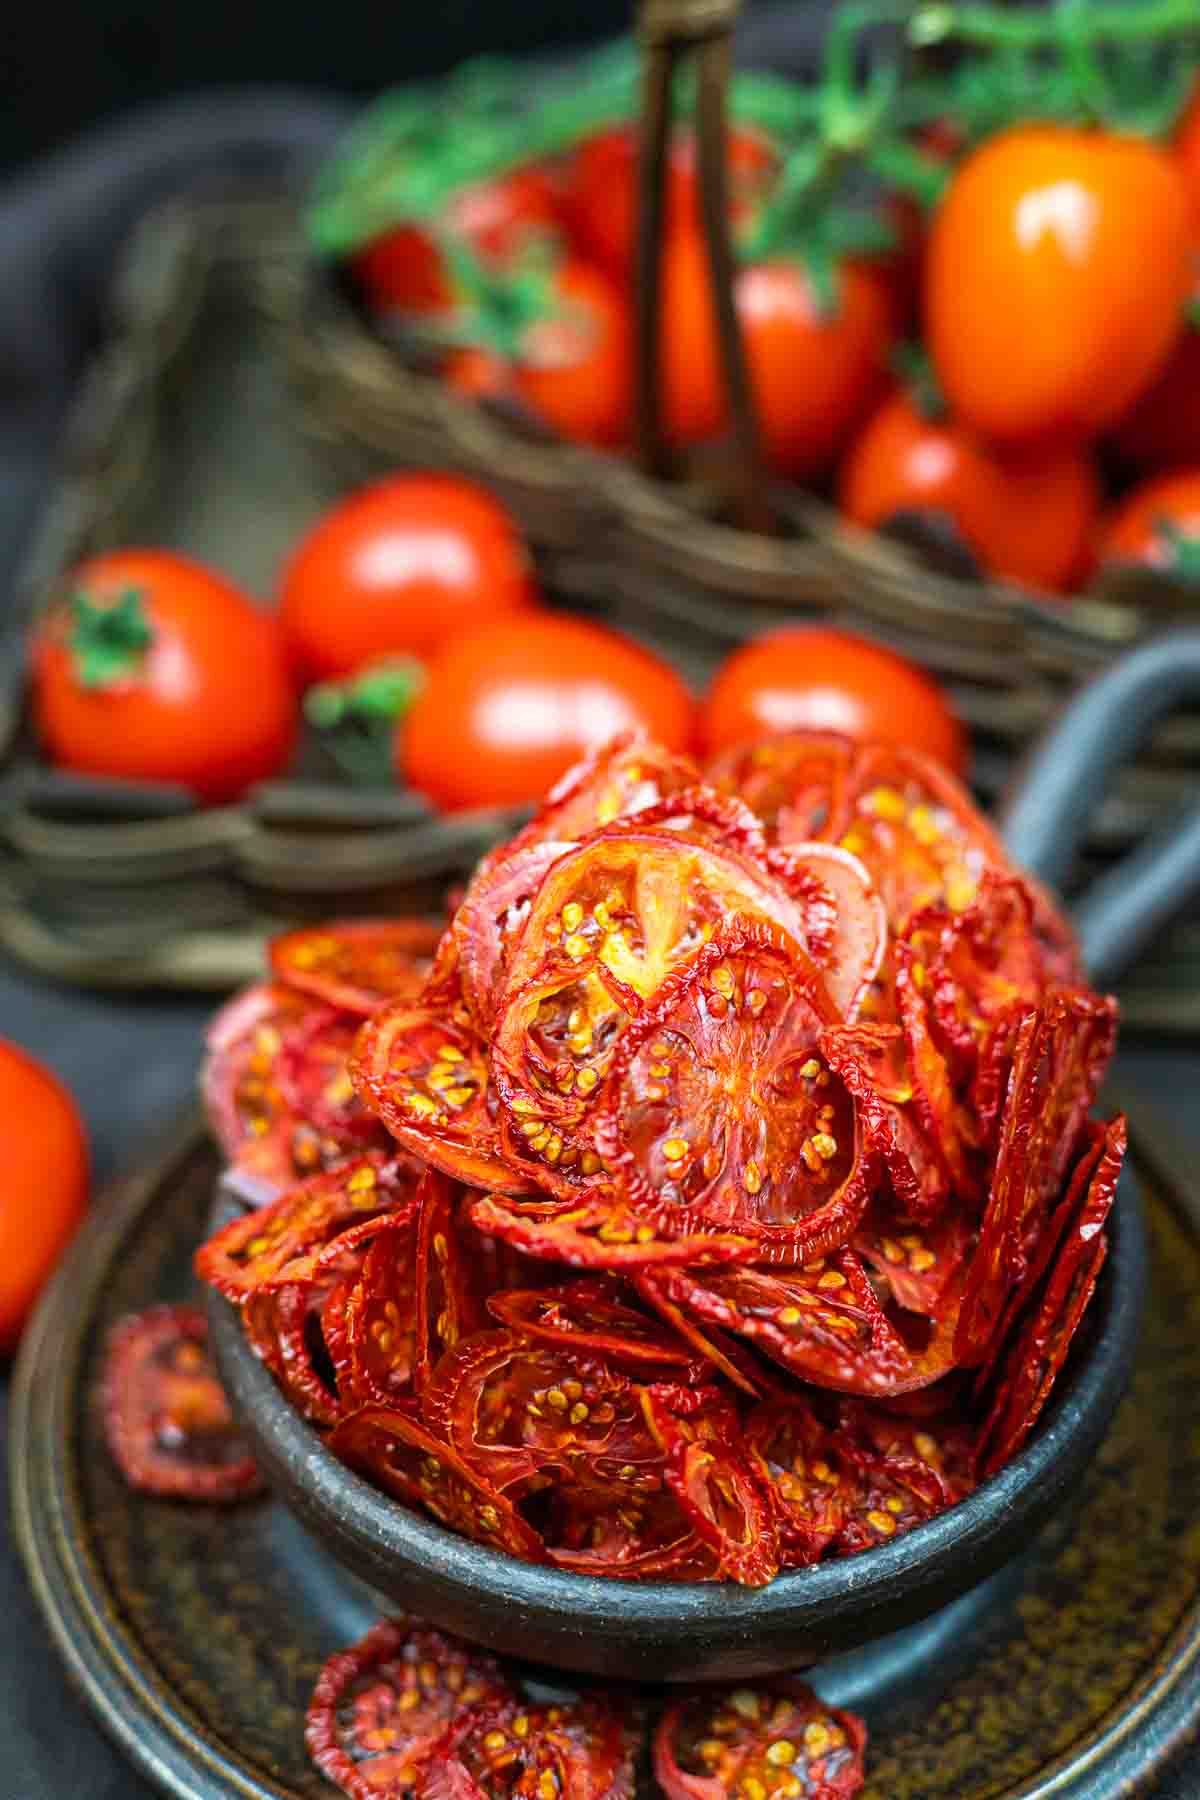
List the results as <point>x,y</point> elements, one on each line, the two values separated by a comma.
<point>671,30</point>
<point>1045,816</point>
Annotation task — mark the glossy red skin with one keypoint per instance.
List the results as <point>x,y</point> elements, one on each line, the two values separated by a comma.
<point>1187,151</point>
<point>397,569</point>
<point>601,198</point>
<point>209,705</point>
<point>815,376</point>
<point>1162,428</point>
<point>507,709</point>
<point>807,678</point>
<point>403,269</point>
<point>45,1183</point>
<point>1132,533</point>
<point>1028,518</point>
<point>1057,267</point>
<point>575,368</point>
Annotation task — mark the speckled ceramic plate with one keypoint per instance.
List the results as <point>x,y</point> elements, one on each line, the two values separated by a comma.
<point>196,1633</point>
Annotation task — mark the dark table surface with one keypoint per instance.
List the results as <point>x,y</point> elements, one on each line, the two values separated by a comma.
<point>132,1061</point>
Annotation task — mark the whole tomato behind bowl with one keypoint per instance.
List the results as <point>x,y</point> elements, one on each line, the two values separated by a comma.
<point>397,568</point>
<point>507,709</point>
<point>1055,274</point>
<point>154,668</point>
<point>1158,524</point>
<point>1162,427</point>
<point>1028,517</point>
<point>809,678</point>
<point>45,1184</point>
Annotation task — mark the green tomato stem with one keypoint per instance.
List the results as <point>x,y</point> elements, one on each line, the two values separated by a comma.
<point>108,638</point>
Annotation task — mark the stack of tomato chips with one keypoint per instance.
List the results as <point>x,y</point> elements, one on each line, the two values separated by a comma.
<point>723,1195</point>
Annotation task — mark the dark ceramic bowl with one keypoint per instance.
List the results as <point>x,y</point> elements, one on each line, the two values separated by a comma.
<point>676,1631</point>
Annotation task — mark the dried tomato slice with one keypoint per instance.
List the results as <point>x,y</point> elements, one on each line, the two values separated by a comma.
<point>354,964</point>
<point>916,1262</point>
<point>447,1306</point>
<point>936,1453</point>
<point>580,1752</point>
<point>1033,1361</point>
<point>987,960</point>
<point>313,1075</point>
<point>721,1115</point>
<point>850,954</point>
<point>716,1350</point>
<point>399,1454</point>
<point>1059,1059</point>
<point>378,1323</point>
<point>618,781</point>
<point>796,782</point>
<point>603,1235</point>
<point>872,1062</point>
<point>380,1709</point>
<point>587,1316</point>
<point>284,1242</point>
<point>797,1456</point>
<point>426,1076</point>
<point>166,1419</point>
<point>719,1488</point>
<point>300,1313</point>
<point>769,1740</point>
<point>490,920</point>
<point>643,1538</point>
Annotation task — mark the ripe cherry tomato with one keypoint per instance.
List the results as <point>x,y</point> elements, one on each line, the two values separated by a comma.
<point>403,269</point>
<point>45,1183</point>
<point>156,669</point>
<point>1158,523</point>
<point>602,191</point>
<point>809,679</point>
<point>1187,150</point>
<point>1057,266</point>
<point>574,366</point>
<point>1162,427</point>
<point>507,709</point>
<point>1029,517</point>
<point>815,375</point>
<point>397,568</point>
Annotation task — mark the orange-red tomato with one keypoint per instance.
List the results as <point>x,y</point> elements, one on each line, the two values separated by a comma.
<point>1162,427</point>
<point>505,710</point>
<point>1026,516</point>
<point>403,268</point>
<point>44,1191</point>
<point>815,374</point>
<point>397,568</point>
<point>1157,520</point>
<point>601,203</point>
<point>807,678</point>
<point>1057,267</point>
<point>156,669</point>
<point>1187,150</point>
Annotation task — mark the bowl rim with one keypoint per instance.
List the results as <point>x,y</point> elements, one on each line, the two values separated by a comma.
<point>337,1501</point>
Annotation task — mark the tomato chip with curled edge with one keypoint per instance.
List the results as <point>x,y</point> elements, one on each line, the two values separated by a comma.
<point>623,778</point>
<point>771,1739</point>
<point>716,1350</point>
<point>796,783</point>
<point>354,964</point>
<point>601,1234</point>
<point>644,1538</point>
<point>916,1262</point>
<point>283,1242</point>
<point>835,886</point>
<point>490,920</point>
<point>306,1371</point>
<point>448,1307</point>
<point>582,1751</point>
<point>1059,1058</point>
<point>588,1316</point>
<point>313,1073</point>
<point>797,1456</point>
<point>427,1078</point>
<point>167,1422</point>
<point>984,961</point>
<point>871,1061</point>
<point>399,1454</point>
<point>380,1709</point>
<point>1039,1348</point>
<point>377,1322</point>
<point>944,1121</point>
<point>941,1444</point>
<point>719,1488</point>
<point>720,1114</point>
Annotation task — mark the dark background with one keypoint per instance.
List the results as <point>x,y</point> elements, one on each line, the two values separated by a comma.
<point>102,108</point>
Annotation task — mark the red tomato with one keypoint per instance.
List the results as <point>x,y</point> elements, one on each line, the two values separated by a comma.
<point>156,669</point>
<point>574,369</point>
<point>1028,518</point>
<point>1158,523</point>
<point>807,678</point>
<point>45,1183</point>
<point>815,375</point>
<point>395,569</point>
<point>1057,266</point>
<point>602,191</point>
<point>1162,427</point>
<point>508,708</point>
<point>403,268</point>
<point>1187,150</point>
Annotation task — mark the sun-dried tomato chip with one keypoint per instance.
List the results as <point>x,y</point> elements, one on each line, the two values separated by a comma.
<point>618,781</point>
<point>797,783</point>
<point>719,1487</point>
<point>797,1456</point>
<point>378,1324</point>
<point>448,1307</point>
<point>356,963</point>
<point>313,1074</point>
<point>166,1419</point>
<point>584,1751</point>
<point>587,1316</point>
<point>770,1739</point>
<point>872,1062</point>
<point>380,1710</point>
<point>427,1078</point>
<point>601,1235</point>
<point>491,918</point>
<point>916,1262</point>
